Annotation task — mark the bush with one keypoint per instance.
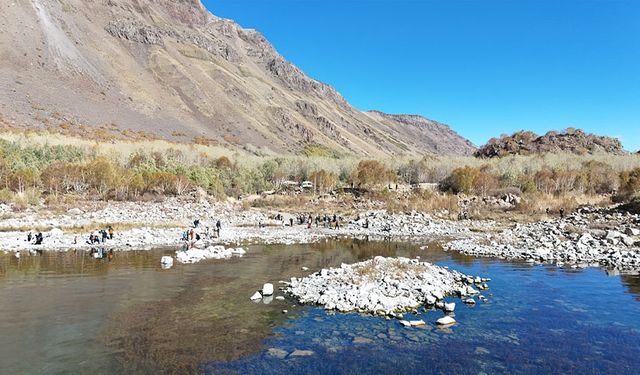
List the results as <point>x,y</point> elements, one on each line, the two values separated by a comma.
<point>630,182</point>
<point>599,178</point>
<point>470,180</point>
<point>6,196</point>
<point>324,181</point>
<point>372,173</point>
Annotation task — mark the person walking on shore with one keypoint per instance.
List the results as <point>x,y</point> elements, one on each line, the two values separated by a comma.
<point>218,227</point>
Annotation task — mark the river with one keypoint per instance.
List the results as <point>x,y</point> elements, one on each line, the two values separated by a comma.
<point>66,313</point>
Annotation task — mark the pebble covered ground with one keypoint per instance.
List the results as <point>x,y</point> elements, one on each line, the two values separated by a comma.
<point>586,237</point>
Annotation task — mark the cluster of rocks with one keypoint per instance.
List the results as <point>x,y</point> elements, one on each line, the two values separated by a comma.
<point>176,211</point>
<point>504,201</point>
<point>411,224</point>
<point>155,224</point>
<point>211,252</point>
<point>587,237</point>
<point>385,287</point>
<point>571,140</point>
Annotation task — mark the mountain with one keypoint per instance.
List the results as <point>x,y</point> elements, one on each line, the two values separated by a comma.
<point>436,137</point>
<point>570,140</point>
<point>172,70</point>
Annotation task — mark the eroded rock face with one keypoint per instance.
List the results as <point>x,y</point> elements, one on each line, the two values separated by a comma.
<point>381,285</point>
<point>135,31</point>
<point>571,140</point>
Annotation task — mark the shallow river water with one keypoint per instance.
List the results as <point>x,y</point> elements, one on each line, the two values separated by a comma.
<point>66,313</point>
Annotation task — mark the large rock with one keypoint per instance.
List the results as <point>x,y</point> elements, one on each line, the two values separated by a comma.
<point>301,353</point>
<point>256,296</point>
<point>277,353</point>
<point>445,321</point>
<point>166,261</point>
<point>267,289</point>
<point>632,231</point>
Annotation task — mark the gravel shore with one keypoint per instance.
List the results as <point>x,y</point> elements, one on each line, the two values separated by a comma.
<point>584,238</point>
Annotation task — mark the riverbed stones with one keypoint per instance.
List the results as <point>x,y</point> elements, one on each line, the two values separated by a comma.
<point>256,296</point>
<point>301,353</point>
<point>212,252</point>
<point>587,237</point>
<point>277,353</point>
<point>75,211</point>
<point>446,321</point>
<point>380,286</point>
<point>267,289</point>
<point>166,261</point>
<point>162,223</point>
<point>361,340</point>
<point>632,231</point>
<point>449,307</point>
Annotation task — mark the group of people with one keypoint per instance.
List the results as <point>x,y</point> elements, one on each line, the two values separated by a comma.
<point>192,234</point>
<point>101,236</point>
<point>37,239</point>
<point>326,221</point>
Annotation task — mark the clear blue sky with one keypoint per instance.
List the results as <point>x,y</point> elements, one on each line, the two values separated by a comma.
<point>484,67</point>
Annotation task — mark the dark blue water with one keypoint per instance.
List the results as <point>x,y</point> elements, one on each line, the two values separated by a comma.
<point>539,320</point>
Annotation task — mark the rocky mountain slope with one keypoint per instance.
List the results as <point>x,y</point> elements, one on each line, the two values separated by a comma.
<point>171,69</point>
<point>571,140</point>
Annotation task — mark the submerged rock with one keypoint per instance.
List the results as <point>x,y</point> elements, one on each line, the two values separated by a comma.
<point>445,321</point>
<point>277,353</point>
<point>361,340</point>
<point>301,353</point>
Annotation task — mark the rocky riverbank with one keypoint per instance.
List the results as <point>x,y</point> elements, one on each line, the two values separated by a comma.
<point>385,286</point>
<point>144,225</point>
<point>586,237</point>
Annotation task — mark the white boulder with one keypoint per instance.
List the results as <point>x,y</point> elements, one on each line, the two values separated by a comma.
<point>445,321</point>
<point>267,289</point>
<point>256,296</point>
<point>166,261</point>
